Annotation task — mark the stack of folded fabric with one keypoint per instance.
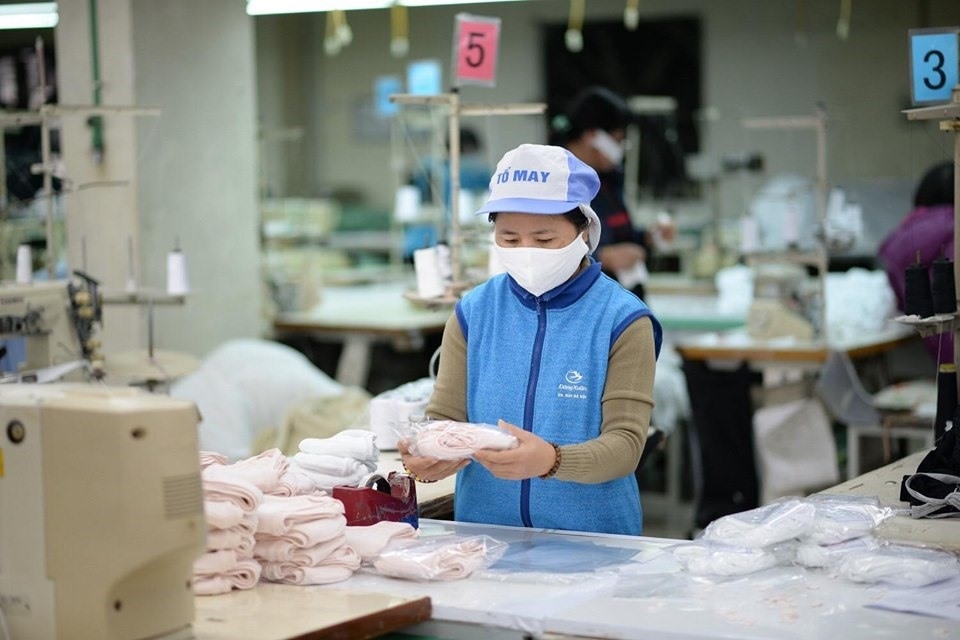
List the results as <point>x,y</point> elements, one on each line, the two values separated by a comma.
<point>342,460</point>
<point>369,541</point>
<point>301,540</point>
<point>230,508</point>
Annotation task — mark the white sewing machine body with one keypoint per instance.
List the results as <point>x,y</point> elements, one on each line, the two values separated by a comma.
<point>101,512</point>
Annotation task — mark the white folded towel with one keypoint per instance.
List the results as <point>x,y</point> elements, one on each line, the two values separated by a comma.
<point>370,540</point>
<point>358,444</point>
<point>333,465</point>
<point>326,482</point>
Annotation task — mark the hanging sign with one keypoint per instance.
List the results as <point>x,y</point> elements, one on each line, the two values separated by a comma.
<point>934,64</point>
<point>475,44</point>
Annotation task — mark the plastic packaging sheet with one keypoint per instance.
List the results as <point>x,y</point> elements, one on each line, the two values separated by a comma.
<point>817,556</point>
<point>838,517</point>
<point>706,558</point>
<point>560,556</point>
<point>451,440</point>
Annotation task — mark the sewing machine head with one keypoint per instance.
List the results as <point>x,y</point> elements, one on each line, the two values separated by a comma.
<point>55,320</point>
<point>101,511</point>
<point>783,299</point>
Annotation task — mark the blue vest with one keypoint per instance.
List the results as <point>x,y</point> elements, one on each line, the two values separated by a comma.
<point>541,364</point>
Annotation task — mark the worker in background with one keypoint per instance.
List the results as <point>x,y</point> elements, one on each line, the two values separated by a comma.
<point>555,352</point>
<point>593,127</point>
<point>926,230</point>
<point>433,179</point>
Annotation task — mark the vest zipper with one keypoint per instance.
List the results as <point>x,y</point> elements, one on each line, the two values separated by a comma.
<point>529,403</point>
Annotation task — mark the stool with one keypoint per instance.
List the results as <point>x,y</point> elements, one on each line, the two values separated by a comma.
<point>908,426</point>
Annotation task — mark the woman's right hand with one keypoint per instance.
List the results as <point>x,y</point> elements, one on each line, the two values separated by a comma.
<point>428,469</point>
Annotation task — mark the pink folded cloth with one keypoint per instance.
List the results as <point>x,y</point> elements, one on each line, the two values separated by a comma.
<point>221,514</point>
<point>262,470</point>
<point>219,483</point>
<point>336,567</point>
<point>449,561</point>
<point>280,514</point>
<point>234,538</point>
<point>370,540</point>
<point>449,440</point>
<point>244,575</point>
<point>294,483</point>
<point>208,458</point>
<point>358,444</point>
<point>215,562</point>
<point>280,550</point>
<point>308,534</point>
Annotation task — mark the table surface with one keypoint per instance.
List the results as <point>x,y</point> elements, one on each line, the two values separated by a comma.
<point>885,484</point>
<point>550,591</point>
<point>278,612</point>
<point>738,345</point>
<point>366,308</point>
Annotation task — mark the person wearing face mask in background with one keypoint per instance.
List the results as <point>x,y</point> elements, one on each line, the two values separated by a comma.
<point>555,352</point>
<point>593,128</point>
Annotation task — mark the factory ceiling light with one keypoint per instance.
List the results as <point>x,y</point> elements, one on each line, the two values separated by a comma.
<point>34,15</point>
<point>266,7</point>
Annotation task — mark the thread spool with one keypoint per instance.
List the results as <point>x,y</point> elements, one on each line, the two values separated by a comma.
<point>918,295</point>
<point>24,264</point>
<point>177,281</point>
<point>943,286</point>
<point>946,399</point>
<point>427,267</point>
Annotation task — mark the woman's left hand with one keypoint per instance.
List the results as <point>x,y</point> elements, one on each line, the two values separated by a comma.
<point>533,457</point>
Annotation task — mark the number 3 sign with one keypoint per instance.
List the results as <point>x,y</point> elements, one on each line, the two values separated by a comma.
<point>475,46</point>
<point>933,64</point>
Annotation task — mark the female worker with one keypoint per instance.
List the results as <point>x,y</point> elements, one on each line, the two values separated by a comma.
<point>593,128</point>
<point>556,352</point>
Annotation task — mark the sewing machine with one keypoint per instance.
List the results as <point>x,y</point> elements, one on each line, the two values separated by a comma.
<point>101,512</point>
<point>56,320</point>
<point>783,302</point>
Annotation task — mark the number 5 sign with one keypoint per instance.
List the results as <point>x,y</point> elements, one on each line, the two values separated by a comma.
<point>933,64</point>
<point>475,46</point>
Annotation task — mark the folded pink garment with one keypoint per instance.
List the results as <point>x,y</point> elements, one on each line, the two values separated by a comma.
<point>280,550</point>
<point>293,483</point>
<point>222,514</point>
<point>208,458</point>
<point>308,534</point>
<point>280,514</point>
<point>370,540</point>
<point>450,561</point>
<point>449,440</point>
<point>244,575</point>
<point>358,444</point>
<point>262,470</point>
<point>215,562</point>
<point>336,567</point>
<point>220,484</point>
<point>234,538</point>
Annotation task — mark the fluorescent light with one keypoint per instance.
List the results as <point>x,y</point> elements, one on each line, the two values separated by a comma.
<point>268,7</point>
<point>35,15</point>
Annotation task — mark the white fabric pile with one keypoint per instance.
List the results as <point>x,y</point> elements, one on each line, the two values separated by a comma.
<point>341,460</point>
<point>302,540</point>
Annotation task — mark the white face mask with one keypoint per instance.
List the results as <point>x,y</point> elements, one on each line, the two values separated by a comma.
<point>540,270</point>
<point>608,146</point>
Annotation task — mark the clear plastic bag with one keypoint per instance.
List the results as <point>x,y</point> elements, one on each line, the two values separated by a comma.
<point>705,558</point>
<point>764,526</point>
<point>446,558</point>
<point>842,517</point>
<point>817,556</point>
<point>900,565</point>
<point>451,440</point>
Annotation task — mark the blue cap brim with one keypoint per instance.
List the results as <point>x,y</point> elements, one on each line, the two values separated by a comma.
<point>527,205</point>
